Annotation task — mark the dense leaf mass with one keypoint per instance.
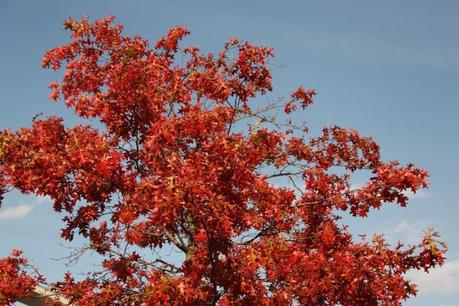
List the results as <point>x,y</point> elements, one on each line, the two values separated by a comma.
<point>15,282</point>
<point>187,161</point>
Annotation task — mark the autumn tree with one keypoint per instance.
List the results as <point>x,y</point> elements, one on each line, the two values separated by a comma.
<point>180,157</point>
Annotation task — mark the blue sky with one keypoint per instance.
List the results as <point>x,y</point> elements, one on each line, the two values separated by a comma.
<point>387,68</point>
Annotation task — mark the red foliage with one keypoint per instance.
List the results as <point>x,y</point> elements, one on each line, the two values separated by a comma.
<point>176,167</point>
<point>14,280</point>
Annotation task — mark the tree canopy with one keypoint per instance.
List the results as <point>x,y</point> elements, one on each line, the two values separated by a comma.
<point>181,157</point>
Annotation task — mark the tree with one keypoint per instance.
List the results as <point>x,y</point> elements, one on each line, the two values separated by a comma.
<point>186,160</point>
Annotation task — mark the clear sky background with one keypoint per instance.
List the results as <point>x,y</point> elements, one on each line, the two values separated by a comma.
<point>387,68</point>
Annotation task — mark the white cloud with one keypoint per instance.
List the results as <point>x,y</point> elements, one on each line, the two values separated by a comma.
<point>444,279</point>
<point>22,209</point>
<point>408,232</point>
<point>441,280</point>
<point>40,200</point>
<point>15,212</point>
<point>420,194</point>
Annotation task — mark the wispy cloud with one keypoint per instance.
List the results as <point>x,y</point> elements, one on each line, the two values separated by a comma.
<point>408,231</point>
<point>40,200</point>
<point>23,209</point>
<point>441,280</point>
<point>420,194</point>
<point>15,212</point>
